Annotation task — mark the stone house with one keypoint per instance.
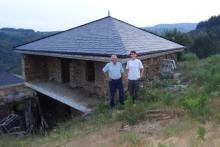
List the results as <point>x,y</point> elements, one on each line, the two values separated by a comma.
<point>66,65</point>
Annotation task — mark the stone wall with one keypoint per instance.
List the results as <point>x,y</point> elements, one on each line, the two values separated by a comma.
<point>34,67</point>
<point>78,77</point>
<point>15,93</point>
<point>152,65</point>
<point>54,69</point>
<point>49,68</point>
<point>76,73</point>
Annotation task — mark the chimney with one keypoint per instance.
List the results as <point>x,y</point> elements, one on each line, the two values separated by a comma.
<point>109,13</point>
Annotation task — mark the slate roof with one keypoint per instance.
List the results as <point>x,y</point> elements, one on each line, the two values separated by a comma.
<point>9,79</point>
<point>102,37</point>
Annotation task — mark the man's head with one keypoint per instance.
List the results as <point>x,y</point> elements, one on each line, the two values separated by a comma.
<point>133,54</point>
<point>114,59</point>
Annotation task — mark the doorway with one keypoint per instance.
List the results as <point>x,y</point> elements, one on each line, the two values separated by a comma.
<point>65,70</point>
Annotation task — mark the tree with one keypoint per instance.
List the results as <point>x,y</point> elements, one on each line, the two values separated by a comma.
<point>205,45</point>
<point>178,37</point>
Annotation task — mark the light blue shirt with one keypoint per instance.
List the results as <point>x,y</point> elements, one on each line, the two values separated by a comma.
<point>114,70</point>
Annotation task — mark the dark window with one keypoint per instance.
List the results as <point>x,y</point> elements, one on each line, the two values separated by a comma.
<point>65,70</point>
<point>90,71</point>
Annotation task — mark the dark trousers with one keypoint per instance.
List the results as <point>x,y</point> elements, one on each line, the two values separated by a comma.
<point>113,86</point>
<point>133,88</point>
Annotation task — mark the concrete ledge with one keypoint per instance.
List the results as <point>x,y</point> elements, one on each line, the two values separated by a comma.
<point>61,94</point>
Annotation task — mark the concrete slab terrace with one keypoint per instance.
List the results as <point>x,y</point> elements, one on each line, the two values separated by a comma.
<point>75,98</point>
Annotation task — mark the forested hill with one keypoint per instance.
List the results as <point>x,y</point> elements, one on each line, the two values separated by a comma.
<point>162,28</point>
<point>10,37</point>
<point>206,37</point>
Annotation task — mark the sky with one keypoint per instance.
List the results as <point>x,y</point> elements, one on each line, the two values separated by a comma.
<point>58,15</point>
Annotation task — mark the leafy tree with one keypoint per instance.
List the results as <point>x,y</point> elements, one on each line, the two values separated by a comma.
<point>206,37</point>
<point>205,45</point>
<point>178,37</point>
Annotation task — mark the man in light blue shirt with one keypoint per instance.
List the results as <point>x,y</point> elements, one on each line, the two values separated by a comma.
<point>113,73</point>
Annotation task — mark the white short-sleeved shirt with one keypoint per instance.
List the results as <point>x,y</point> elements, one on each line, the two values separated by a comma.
<point>134,67</point>
<point>114,70</point>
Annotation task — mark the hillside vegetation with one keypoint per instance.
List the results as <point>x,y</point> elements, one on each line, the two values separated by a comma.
<point>162,28</point>
<point>9,38</point>
<point>203,41</point>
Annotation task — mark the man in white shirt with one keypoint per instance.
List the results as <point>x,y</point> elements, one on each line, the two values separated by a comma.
<point>135,72</point>
<point>113,73</point>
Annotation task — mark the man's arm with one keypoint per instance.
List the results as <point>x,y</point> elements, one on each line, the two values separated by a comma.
<point>106,76</point>
<point>105,71</point>
<point>126,71</point>
<point>142,72</point>
<point>141,69</point>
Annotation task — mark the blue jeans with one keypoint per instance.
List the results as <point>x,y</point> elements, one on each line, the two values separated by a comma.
<point>113,86</point>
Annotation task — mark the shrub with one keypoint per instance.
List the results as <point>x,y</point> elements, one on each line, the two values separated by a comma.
<point>153,94</point>
<point>101,115</point>
<point>188,57</point>
<point>201,133</point>
<point>196,103</point>
<point>132,114</point>
<point>167,99</point>
<point>218,116</point>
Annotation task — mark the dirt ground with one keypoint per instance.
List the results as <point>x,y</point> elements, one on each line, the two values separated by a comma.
<point>149,134</point>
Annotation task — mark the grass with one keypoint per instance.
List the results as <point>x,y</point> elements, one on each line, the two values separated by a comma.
<point>132,114</point>
<point>129,138</point>
<point>201,133</point>
<point>176,127</point>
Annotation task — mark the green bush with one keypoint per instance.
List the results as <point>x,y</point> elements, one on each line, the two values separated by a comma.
<point>218,116</point>
<point>201,133</point>
<point>196,103</point>
<point>167,99</point>
<point>188,57</point>
<point>153,94</point>
<point>101,115</point>
<point>132,113</point>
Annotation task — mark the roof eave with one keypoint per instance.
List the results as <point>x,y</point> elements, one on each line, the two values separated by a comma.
<point>99,57</point>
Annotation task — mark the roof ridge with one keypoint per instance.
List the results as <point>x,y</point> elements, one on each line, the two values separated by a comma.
<point>143,30</point>
<point>124,51</point>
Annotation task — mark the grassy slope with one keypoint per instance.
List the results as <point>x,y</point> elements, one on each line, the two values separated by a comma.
<point>198,127</point>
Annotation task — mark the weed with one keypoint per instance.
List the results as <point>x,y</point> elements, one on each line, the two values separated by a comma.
<point>218,116</point>
<point>161,145</point>
<point>167,99</point>
<point>196,103</point>
<point>177,127</point>
<point>132,113</point>
<point>129,137</point>
<point>201,133</point>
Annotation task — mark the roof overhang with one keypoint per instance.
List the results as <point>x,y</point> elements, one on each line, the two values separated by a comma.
<point>100,57</point>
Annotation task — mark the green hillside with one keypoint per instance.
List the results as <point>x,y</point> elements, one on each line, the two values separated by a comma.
<point>203,41</point>
<point>9,37</point>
